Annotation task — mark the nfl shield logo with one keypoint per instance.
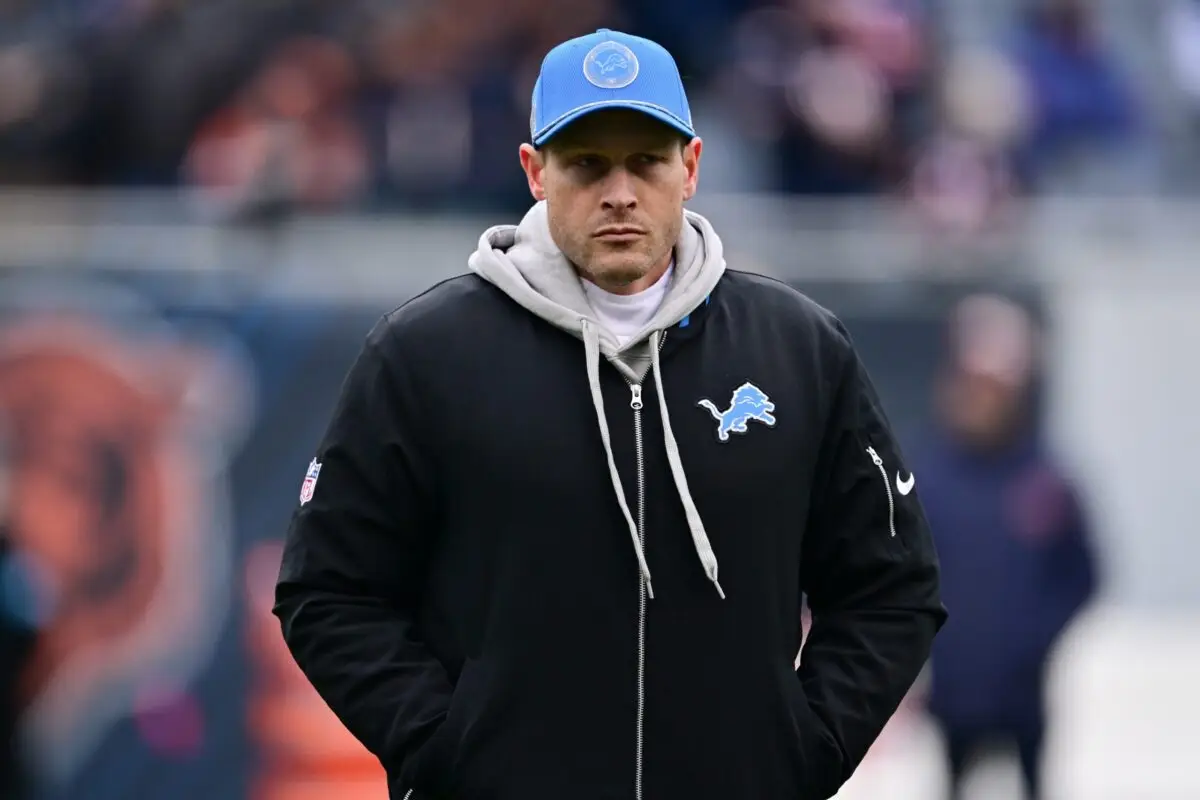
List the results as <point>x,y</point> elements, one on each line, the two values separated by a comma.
<point>310,481</point>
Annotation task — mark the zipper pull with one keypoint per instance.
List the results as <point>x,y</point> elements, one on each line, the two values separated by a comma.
<point>875,456</point>
<point>636,402</point>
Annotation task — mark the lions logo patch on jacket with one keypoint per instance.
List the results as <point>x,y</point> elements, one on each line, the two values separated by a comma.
<point>748,403</point>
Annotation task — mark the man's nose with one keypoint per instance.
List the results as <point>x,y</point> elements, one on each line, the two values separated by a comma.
<point>619,194</point>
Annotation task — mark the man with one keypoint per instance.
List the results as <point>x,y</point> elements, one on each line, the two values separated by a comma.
<point>1009,525</point>
<point>554,542</point>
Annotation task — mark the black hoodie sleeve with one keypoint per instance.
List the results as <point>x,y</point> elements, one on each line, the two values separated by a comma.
<point>870,573</point>
<point>353,565</point>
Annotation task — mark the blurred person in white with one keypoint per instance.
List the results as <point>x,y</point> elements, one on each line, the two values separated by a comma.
<point>1012,535</point>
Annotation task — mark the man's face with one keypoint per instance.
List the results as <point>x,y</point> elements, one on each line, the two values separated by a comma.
<point>980,409</point>
<point>614,183</point>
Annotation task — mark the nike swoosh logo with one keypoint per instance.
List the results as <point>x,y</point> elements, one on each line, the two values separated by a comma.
<point>904,487</point>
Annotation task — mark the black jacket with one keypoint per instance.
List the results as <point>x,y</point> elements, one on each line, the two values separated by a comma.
<point>461,588</point>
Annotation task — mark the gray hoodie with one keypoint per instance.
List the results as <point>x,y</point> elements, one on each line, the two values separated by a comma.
<point>524,262</point>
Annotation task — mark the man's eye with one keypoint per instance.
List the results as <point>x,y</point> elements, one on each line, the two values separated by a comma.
<point>587,162</point>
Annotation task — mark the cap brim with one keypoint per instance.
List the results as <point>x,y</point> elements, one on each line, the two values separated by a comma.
<point>653,111</point>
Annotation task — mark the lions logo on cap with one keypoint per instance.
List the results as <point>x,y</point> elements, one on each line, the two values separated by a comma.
<point>610,65</point>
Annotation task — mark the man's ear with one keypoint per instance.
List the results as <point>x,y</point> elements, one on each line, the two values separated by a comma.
<point>691,162</point>
<point>533,162</point>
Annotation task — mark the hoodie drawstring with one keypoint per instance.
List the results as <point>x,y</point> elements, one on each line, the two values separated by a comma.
<point>591,346</point>
<point>704,551</point>
<point>708,560</point>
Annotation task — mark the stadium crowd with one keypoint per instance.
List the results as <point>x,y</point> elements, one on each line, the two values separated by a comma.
<point>405,104</point>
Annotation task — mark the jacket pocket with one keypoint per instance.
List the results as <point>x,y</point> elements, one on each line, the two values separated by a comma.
<point>819,757</point>
<point>437,770</point>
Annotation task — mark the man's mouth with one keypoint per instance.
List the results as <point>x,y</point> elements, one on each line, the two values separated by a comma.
<point>619,233</point>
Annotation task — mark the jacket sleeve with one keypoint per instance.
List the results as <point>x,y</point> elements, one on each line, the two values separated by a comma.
<point>353,562</point>
<point>870,573</point>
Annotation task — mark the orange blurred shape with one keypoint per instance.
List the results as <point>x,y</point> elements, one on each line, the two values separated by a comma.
<point>301,728</point>
<point>283,786</point>
<point>303,749</point>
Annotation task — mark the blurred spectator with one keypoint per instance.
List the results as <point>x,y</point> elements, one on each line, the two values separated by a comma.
<point>288,139</point>
<point>959,183</point>
<point>109,93</point>
<point>322,105</point>
<point>962,178</point>
<point>1013,541</point>
<point>1181,37</point>
<point>835,87</point>
<point>446,96</point>
<point>695,31</point>
<point>1086,116</point>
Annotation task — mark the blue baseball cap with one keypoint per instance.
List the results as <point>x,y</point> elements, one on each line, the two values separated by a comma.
<point>607,69</point>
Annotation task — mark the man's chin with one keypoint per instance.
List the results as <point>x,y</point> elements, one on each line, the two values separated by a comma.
<point>616,272</point>
<point>623,276</point>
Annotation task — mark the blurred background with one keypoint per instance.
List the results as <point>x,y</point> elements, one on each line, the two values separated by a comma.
<point>205,205</point>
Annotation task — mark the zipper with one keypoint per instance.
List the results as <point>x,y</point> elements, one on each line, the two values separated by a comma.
<point>887,487</point>
<point>635,402</point>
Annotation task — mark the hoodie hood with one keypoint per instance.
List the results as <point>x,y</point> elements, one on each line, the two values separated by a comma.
<point>524,262</point>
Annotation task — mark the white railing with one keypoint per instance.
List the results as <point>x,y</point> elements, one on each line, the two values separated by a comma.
<point>851,240</point>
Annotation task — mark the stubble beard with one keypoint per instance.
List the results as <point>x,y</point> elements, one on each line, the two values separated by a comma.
<point>616,267</point>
